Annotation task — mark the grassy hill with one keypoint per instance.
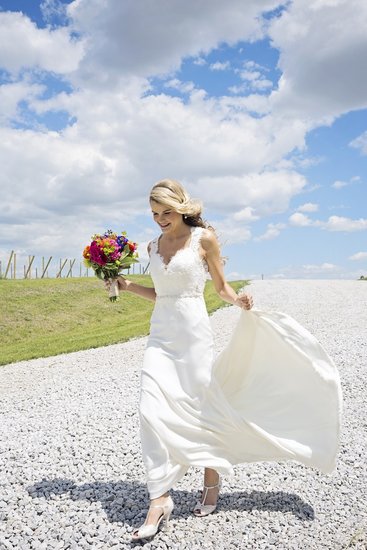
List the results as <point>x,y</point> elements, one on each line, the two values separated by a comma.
<point>44,317</point>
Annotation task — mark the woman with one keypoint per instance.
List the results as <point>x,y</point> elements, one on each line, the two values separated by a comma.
<point>250,403</point>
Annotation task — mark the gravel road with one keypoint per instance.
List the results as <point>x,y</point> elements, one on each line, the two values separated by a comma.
<point>71,474</point>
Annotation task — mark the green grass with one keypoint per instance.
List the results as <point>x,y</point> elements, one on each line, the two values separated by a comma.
<point>44,317</point>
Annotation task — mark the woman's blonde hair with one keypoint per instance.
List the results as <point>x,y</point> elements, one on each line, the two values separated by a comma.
<point>171,193</point>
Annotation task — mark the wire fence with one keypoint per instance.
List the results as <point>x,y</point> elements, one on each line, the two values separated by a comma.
<point>18,266</point>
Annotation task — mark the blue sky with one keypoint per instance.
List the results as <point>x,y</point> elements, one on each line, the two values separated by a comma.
<point>248,103</point>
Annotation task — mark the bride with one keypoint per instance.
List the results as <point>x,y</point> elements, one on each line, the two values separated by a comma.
<point>250,403</point>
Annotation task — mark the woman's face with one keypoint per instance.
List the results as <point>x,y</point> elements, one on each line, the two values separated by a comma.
<point>166,217</point>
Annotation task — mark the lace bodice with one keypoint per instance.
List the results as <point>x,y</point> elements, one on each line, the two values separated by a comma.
<point>186,272</point>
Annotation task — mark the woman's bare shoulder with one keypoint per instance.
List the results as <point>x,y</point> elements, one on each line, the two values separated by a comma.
<point>208,239</point>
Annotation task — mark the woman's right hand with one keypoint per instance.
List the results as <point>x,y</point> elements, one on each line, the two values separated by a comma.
<point>121,281</point>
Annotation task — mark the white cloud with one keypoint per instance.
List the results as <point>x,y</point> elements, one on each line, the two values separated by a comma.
<point>300,220</point>
<point>183,87</point>
<point>245,215</point>
<point>308,207</point>
<point>59,185</point>
<point>250,64</point>
<point>53,8</point>
<point>134,38</point>
<point>220,66</point>
<point>230,233</point>
<point>358,256</point>
<point>360,143</point>
<point>339,184</point>
<point>250,75</point>
<point>273,231</point>
<point>265,193</point>
<point>103,166</point>
<point>334,223</point>
<point>200,61</point>
<point>51,50</point>
<point>13,94</point>
<point>253,77</point>
<point>261,84</point>
<point>237,89</point>
<point>321,47</point>
<point>338,223</point>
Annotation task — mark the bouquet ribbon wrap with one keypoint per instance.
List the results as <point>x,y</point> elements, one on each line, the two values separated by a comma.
<point>113,292</point>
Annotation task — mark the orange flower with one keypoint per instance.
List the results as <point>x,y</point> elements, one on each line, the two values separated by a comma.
<point>86,252</point>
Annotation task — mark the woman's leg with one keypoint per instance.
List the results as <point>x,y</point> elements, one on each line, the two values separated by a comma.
<point>154,514</point>
<point>152,518</point>
<point>211,477</point>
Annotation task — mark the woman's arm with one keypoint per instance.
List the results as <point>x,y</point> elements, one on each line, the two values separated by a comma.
<point>213,258</point>
<point>140,290</point>
<point>144,291</point>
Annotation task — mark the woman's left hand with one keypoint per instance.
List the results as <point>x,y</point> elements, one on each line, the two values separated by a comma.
<point>244,301</point>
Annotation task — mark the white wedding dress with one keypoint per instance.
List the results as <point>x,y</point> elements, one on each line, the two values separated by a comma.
<point>271,394</point>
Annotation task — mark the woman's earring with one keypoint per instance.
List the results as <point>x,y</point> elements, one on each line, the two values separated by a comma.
<point>185,217</point>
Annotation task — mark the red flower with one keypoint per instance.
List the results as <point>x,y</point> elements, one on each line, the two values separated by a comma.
<point>96,254</point>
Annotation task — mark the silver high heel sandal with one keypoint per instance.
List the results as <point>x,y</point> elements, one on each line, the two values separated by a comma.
<point>202,509</point>
<point>149,530</point>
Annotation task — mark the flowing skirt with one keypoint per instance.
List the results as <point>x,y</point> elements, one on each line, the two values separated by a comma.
<point>272,394</point>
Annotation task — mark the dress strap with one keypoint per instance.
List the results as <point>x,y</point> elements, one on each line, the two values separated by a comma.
<point>195,238</point>
<point>195,243</point>
<point>154,246</point>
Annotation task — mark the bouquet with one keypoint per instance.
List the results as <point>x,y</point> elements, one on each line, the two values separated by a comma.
<point>108,255</point>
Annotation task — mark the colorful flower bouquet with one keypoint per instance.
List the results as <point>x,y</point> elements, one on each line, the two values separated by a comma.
<point>108,255</point>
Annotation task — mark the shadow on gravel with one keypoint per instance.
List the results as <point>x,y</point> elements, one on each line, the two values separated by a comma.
<point>123,501</point>
<point>272,501</point>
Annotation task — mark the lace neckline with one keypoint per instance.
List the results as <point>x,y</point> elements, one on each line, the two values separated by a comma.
<point>166,265</point>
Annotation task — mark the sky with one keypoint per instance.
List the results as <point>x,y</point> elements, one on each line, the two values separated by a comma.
<point>258,107</point>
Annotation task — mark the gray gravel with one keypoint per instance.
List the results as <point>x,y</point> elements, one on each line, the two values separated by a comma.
<point>71,470</point>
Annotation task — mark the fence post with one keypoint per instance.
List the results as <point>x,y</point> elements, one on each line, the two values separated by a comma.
<point>70,269</point>
<point>15,266</point>
<point>9,264</point>
<point>61,268</point>
<point>44,269</point>
<point>28,272</point>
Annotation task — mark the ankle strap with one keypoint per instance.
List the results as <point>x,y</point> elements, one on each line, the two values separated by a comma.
<point>211,486</point>
<point>163,506</point>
